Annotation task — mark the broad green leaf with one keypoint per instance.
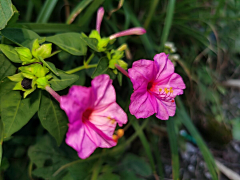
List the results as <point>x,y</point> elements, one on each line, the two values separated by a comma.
<point>91,42</point>
<point>109,176</point>
<point>70,42</point>
<point>63,80</point>
<point>6,67</point>
<point>135,164</point>
<point>174,147</point>
<point>102,67</point>
<point>47,157</point>
<point>50,66</point>
<point>1,139</point>
<point>10,52</point>
<point>19,36</point>
<point>6,12</point>
<point>16,111</point>
<point>52,117</point>
<point>15,16</point>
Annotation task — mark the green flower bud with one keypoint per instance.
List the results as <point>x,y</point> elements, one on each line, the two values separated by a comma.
<point>44,50</point>
<point>42,82</point>
<point>123,64</point>
<point>95,34</point>
<point>112,63</point>
<point>102,42</point>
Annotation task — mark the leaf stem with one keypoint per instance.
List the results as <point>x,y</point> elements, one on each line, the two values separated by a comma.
<point>89,59</point>
<point>81,68</point>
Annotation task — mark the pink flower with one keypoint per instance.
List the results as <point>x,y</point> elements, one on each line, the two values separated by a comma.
<point>100,14</point>
<point>155,87</point>
<point>93,115</point>
<point>131,31</point>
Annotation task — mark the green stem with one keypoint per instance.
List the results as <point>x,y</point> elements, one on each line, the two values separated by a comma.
<point>150,13</point>
<point>97,168</point>
<point>112,152</point>
<point>89,59</point>
<point>81,68</point>
<point>145,144</point>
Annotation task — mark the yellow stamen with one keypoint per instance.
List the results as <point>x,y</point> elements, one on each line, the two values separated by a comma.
<point>160,89</point>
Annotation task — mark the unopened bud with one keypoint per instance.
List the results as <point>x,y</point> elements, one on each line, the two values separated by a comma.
<point>120,133</point>
<point>115,138</point>
<point>131,31</point>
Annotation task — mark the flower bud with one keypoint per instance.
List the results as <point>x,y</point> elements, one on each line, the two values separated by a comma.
<point>131,31</point>
<point>100,14</point>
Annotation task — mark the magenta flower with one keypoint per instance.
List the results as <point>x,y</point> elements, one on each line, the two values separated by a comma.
<point>155,87</point>
<point>93,115</point>
<point>100,14</point>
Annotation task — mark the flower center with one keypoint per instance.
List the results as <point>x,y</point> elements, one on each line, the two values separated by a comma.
<point>86,115</point>
<point>149,86</point>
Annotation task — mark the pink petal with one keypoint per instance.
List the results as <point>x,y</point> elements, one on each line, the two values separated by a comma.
<point>103,90</point>
<point>100,14</point>
<point>165,66</point>
<point>165,109</point>
<point>105,115</point>
<point>143,104</point>
<point>141,73</point>
<point>75,103</point>
<point>131,31</point>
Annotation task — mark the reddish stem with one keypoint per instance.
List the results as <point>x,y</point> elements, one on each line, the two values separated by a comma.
<point>122,70</point>
<point>53,93</point>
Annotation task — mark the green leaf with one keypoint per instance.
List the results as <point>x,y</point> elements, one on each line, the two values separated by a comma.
<point>10,52</point>
<point>15,16</point>
<point>184,117</point>
<point>109,176</point>
<point>16,111</point>
<point>6,12</point>
<point>70,42</point>
<point>119,77</point>
<point>50,65</point>
<point>1,139</point>
<point>46,11</point>
<point>47,157</point>
<point>63,80</point>
<point>91,42</point>
<point>52,117</point>
<point>6,67</point>
<point>19,36</point>
<point>174,147</point>
<point>102,67</point>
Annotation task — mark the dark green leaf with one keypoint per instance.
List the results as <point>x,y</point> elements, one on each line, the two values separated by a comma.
<point>5,13</point>
<point>102,67</point>
<point>109,176</point>
<point>129,175</point>
<point>63,80</point>
<point>6,67</point>
<point>50,66</point>
<point>70,42</point>
<point>119,77</point>
<point>91,42</point>
<point>82,78</point>
<point>14,17</point>
<point>19,36</point>
<point>46,11</point>
<point>52,117</point>
<point>47,157</point>
<point>1,139</point>
<point>10,52</point>
<point>16,111</point>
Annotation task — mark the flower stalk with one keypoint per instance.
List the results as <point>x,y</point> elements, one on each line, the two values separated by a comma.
<point>53,93</point>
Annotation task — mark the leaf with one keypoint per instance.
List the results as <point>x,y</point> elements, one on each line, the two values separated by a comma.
<point>6,67</point>
<point>15,111</point>
<point>1,139</point>
<point>109,176</point>
<point>63,80</point>
<point>50,65</point>
<point>47,157</point>
<point>46,11</point>
<point>6,12</point>
<point>174,147</point>
<point>119,77</point>
<point>19,36</point>
<point>102,67</point>
<point>52,117</point>
<point>135,164</point>
<point>70,42</point>
<point>15,16</point>
<point>91,42</point>
<point>10,52</point>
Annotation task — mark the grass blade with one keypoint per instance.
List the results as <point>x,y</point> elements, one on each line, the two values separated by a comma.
<point>150,13</point>
<point>77,10</point>
<point>174,147</point>
<point>168,23</point>
<point>46,11</point>
<point>183,116</point>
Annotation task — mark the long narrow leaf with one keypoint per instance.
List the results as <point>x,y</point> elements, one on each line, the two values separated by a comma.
<point>174,147</point>
<point>46,11</point>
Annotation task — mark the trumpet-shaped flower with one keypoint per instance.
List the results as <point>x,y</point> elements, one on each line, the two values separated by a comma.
<point>155,87</point>
<point>93,115</point>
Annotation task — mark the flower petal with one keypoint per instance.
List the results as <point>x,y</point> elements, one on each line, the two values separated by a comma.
<point>165,109</point>
<point>76,102</point>
<point>142,104</point>
<point>165,66</point>
<point>103,90</point>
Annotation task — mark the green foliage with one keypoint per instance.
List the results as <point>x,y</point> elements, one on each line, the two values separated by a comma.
<point>52,117</point>
<point>5,13</point>
<point>1,139</point>
<point>10,52</point>
<point>6,67</point>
